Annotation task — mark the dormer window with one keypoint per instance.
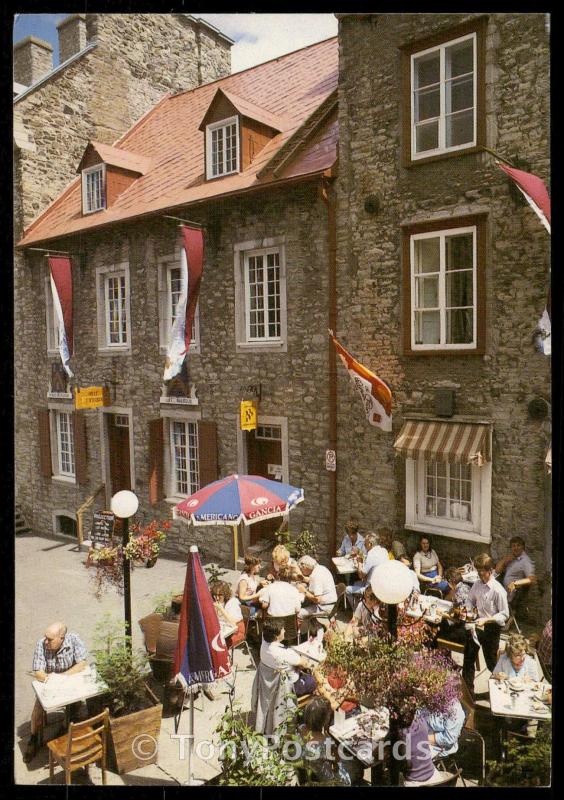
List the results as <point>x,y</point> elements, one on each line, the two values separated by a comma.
<point>93,188</point>
<point>222,145</point>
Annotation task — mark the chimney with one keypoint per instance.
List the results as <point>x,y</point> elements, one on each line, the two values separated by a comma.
<point>33,58</point>
<point>72,36</point>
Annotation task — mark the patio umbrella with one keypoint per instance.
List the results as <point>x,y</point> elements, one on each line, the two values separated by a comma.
<point>239,498</point>
<point>201,653</point>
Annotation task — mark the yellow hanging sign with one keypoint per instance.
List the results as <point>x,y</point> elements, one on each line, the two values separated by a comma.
<point>92,397</point>
<point>248,415</point>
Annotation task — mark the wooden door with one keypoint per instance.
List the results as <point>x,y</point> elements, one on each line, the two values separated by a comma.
<point>264,457</point>
<point>118,438</point>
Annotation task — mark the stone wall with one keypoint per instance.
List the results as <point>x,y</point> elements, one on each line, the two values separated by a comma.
<point>499,384</point>
<point>294,384</point>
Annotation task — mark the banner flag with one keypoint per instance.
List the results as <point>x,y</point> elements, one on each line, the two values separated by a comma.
<point>533,190</point>
<point>376,395</point>
<point>191,264</point>
<point>60,268</point>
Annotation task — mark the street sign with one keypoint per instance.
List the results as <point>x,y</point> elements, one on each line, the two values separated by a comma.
<point>92,397</point>
<point>248,415</point>
<point>102,528</point>
<point>330,460</point>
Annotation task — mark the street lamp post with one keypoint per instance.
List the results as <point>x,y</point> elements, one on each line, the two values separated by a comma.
<point>124,505</point>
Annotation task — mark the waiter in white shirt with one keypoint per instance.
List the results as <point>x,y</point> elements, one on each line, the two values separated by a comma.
<point>321,594</point>
<point>490,599</point>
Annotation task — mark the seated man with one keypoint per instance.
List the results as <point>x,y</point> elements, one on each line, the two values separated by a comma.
<point>320,594</point>
<point>375,555</point>
<point>281,598</point>
<point>273,654</point>
<point>490,599</point>
<point>353,541</point>
<point>57,651</point>
<point>445,729</point>
<point>518,571</point>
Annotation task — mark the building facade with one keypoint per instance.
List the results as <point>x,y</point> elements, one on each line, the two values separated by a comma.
<point>443,273</point>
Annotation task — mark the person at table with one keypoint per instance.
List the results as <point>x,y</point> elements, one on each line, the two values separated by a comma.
<point>375,555</point>
<point>320,593</point>
<point>229,611</point>
<point>428,567</point>
<point>353,541</point>
<point>490,599</point>
<point>517,570</point>
<point>453,629</point>
<point>280,558</point>
<point>281,598</point>
<point>250,583</point>
<point>405,559</point>
<point>515,662</point>
<point>445,729</point>
<point>418,767</point>
<point>365,620</point>
<point>321,756</point>
<point>273,654</point>
<point>394,547</point>
<point>57,651</point>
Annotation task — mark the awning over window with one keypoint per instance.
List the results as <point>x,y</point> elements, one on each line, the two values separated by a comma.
<point>548,460</point>
<point>449,442</point>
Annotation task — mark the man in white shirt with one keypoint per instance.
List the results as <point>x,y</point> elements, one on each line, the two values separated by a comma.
<point>281,598</point>
<point>490,599</point>
<point>375,555</point>
<point>321,594</point>
<point>273,654</point>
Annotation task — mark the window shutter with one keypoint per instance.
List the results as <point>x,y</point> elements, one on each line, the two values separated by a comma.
<point>207,451</point>
<point>156,448</point>
<point>44,442</point>
<point>80,454</point>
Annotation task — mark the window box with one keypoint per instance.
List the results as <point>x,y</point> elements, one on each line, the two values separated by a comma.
<point>444,94</point>
<point>444,282</point>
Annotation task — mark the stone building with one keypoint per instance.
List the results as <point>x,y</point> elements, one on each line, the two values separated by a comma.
<point>443,272</point>
<point>113,69</point>
<point>249,157</point>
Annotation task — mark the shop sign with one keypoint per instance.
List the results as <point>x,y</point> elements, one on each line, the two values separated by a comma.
<point>330,460</point>
<point>92,397</point>
<point>248,415</point>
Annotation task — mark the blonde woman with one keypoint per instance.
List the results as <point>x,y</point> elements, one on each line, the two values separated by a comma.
<point>516,662</point>
<point>280,558</point>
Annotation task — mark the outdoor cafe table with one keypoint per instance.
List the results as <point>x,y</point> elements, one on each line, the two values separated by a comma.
<point>361,732</point>
<point>310,650</point>
<point>427,607</point>
<point>345,565</point>
<point>469,574</point>
<point>61,691</point>
<point>524,704</point>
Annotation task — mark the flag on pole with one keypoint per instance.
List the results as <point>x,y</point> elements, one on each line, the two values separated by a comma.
<point>60,269</point>
<point>201,653</point>
<point>533,190</point>
<point>376,395</point>
<point>191,264</point>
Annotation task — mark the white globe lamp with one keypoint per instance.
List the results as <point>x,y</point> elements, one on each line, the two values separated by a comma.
<point>124,504</point>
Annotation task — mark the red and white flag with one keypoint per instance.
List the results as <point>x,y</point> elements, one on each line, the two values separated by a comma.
<point>191,264</point>
<point>60,268</point>
<point>376,395</point>
<point>533,190</point>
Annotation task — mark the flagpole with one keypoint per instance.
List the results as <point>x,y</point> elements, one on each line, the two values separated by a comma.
<point>500,158</point>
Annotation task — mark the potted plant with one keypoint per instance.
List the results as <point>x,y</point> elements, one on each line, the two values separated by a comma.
<point>145,542</point>
<point>134,709</point>
<point>107,563</point>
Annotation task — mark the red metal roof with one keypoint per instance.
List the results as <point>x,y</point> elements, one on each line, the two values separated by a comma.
<point>290,88</point>
<point>118,157</point>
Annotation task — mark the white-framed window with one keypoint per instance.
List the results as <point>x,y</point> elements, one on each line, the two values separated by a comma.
<point>170,289</point>
<point>444,98</point>
<point>449,499</point>
<point>62,443</point>
<point>260,295</point>
<point>51,320</point>
<point>444,289</point>
<point>181,461</point>
<point>114,327</point>
<point>222,147</point>
<point>93,189</point>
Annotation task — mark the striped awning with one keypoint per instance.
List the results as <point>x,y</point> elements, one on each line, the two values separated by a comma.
<point>449,442</point>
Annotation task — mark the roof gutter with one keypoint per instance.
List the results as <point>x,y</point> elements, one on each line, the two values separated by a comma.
<point>310,176</point>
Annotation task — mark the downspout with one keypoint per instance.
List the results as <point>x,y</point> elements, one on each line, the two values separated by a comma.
<point>328,196</point>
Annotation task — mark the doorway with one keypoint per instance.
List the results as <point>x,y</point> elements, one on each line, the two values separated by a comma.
<point>264,457</point>
<point>118,467</point>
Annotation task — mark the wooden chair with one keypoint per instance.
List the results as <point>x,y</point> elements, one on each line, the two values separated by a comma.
<point>246,612</point>
<point>84,743</point>
<point>291,627</point>
<point>471,754</point>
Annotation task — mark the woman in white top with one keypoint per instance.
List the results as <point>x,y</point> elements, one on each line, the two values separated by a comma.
<point>249,583</point>
<point>515,662</point>
<point>229,609</point>
<point>427,566</point>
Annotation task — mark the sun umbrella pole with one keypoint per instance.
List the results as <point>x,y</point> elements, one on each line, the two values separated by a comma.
<point>191,737</point>
<point>235,544</point>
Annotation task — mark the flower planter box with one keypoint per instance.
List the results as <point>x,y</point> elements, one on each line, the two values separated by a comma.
<point>124,755</point>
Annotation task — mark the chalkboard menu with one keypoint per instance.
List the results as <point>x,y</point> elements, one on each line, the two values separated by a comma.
<point>102,528</point>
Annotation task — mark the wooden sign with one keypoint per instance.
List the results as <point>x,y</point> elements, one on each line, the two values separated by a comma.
<point>102,528</point>
<point>248,415</point>
<point>92,397</point>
